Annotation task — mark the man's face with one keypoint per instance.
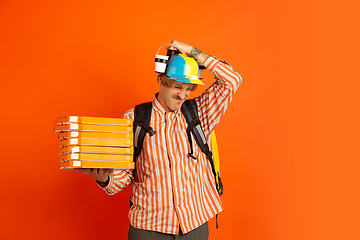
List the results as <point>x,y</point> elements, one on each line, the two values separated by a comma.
<point>174,95</point>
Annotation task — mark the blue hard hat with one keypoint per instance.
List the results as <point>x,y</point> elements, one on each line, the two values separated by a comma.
<point>183,69</point>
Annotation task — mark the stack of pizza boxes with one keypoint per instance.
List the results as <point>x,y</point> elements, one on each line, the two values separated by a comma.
<point>91,142</point>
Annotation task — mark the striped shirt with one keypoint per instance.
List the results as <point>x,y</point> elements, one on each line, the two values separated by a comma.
<point>173,190</point>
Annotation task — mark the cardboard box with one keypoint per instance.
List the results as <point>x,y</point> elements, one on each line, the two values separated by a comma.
<point>110,142</point>
<point>97,157</point>
<point>94,120</point>
<point>93,128</point>
<point>96,164</point>
<point>72,134</point>
<point>91,142</point>
<point>95,149</point>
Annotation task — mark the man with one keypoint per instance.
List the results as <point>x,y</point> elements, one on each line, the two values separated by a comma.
<point>175,195</point>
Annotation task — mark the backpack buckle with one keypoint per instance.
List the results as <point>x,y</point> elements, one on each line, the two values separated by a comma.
<point>192,156</point>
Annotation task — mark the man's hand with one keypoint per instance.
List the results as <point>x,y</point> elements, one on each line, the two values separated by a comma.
<point>182,47</point>
<point>189,50</point>
<point>100,174</point>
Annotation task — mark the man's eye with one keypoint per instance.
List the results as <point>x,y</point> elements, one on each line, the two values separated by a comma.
<point>178,87</point>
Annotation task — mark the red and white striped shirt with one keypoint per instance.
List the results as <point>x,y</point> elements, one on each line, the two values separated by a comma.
<point>173,189</point>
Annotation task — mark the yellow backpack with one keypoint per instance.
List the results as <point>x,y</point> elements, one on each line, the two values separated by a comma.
<point>216,160</point>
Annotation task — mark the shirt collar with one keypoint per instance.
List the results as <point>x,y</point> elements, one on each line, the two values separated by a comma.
<point>160,108</point>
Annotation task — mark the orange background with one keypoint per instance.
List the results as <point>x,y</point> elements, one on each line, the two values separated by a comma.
<point>96,58</point>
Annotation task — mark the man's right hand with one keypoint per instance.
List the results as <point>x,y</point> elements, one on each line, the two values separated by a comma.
<point>100,174</point>
<point>189,50</point>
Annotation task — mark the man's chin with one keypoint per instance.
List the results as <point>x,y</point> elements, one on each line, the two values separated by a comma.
<point>176,106</point>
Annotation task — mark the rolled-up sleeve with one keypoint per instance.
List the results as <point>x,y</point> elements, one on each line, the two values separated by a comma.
<point>214,101</point>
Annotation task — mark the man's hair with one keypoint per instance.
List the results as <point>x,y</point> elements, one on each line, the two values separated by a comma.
<point>167,81</point>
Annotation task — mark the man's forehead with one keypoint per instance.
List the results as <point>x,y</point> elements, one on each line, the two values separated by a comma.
<point>184,85</point>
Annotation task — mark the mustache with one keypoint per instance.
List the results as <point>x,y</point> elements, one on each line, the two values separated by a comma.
<point>179,98</point>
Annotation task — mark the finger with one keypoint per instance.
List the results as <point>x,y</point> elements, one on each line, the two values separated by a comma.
<point>97,171</point>
<point>107,170</point>
<point>89,171</point>
<point>172,48</point>
<point>174,45</point>
<point>103,172</point>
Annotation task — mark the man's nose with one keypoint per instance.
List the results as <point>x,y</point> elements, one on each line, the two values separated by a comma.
<point>183,94</point>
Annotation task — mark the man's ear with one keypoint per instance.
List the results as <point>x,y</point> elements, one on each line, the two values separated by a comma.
<point>159,79</point>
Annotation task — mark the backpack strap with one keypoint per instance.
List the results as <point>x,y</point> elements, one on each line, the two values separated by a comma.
<point>189,110</point>
<point>142,114</point>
